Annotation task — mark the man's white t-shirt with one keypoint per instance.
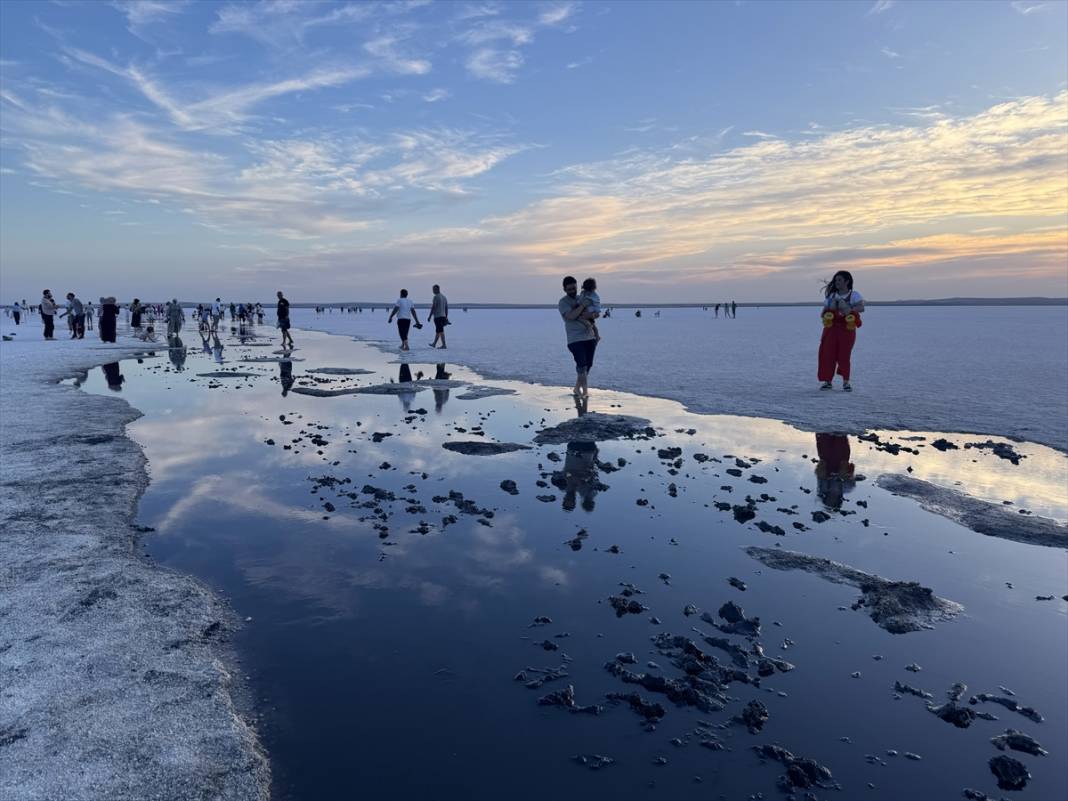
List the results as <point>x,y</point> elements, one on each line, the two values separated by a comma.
<point>404,308</point>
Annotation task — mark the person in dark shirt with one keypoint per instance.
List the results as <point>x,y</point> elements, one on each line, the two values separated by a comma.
<point>283,321</point>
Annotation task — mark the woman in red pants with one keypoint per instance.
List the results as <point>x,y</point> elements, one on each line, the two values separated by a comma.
<point>842,306</point>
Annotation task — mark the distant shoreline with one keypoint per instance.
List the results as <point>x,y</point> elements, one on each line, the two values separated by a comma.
<point>1026,301</point>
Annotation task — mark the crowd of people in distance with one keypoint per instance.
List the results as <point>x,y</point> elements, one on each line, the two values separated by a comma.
<point>579,308</point>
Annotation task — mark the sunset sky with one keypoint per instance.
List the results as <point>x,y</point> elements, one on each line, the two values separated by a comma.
<point>676,151</point>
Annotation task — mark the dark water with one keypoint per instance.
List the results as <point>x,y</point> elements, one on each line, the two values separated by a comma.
<point>384,666</point>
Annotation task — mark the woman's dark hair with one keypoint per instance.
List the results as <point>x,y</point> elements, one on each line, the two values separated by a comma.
<point>829,288</point>
<point>136,300</point>
<point>404,293</point>
<point>589,285</point>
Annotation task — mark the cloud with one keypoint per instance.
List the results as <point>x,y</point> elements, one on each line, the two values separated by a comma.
<point>1027,8</point>
<point>958,196</point>
<point>384,49</point>
<point>224,108</point>
<point>556,14</point>
<point>881,6</point>
<point>498,66</point>
<point>499,63</point>
<point>759,135</point>
<point>312,186</point>
<point>886,51</point>
<point>582,62</point>
<point>436,95</point>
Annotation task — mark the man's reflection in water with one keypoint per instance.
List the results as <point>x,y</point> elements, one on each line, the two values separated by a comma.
<point>285,375</point>
<point>177,353</point>
<point>835,474</point>
<point>112,375</point>
<point>205,342</point>
<point>441,396</point>
<point>405,377</point>
<point>217,347</point>
<point>580,477</point>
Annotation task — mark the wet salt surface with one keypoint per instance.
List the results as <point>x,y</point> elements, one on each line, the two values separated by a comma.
<point>388,665</point>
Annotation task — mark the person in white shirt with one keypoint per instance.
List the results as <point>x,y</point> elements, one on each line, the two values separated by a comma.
<point>404,311</point>
<point>842,307</point>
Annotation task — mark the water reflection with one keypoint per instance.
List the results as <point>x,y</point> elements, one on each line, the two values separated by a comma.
<point>404,376</point>
<point>217,347</point>
<point>113,376</point>
<point>177,353</point>
<point>441,396</point>
<point>285,375</point>
<point>580,477</point>
<point>835,474</point>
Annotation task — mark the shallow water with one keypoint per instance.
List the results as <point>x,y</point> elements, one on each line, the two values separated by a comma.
<point>385,665</point>
<point>997,370</point>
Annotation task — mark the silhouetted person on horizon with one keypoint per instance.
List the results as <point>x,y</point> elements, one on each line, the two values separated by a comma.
<point>282,314</point>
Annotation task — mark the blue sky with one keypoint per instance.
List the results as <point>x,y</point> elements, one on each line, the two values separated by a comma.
<point>676,151</point>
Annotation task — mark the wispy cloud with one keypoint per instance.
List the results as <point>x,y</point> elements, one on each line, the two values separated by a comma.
<point>1027,8</point>
<point>495,55</point>
<point>499,66</point>
<point>582,62</point>
<point>384,48</point>
<point>882,6</point>
<point>867,198</point>
<point>436,95</point>
<point>886,51</point>
<point>226,108</point>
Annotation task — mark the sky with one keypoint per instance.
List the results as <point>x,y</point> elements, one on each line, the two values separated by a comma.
<point>675,151</point>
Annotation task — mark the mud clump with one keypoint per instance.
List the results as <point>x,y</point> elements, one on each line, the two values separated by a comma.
<point>1002,450</point>
<point>980,516</point>
<point>897,606</point>
<point>479,392</point>
<point>509,486</point>
<point>649,710</point>
<point>596,427</point>
<point>1018,741</point>
<point>476,448</point>
<point>566,699</point>
<point>801,772</point>
<point>1010,773</point>
<point>1010,704</point>
<point>753,716</point>
<point>341,371</point>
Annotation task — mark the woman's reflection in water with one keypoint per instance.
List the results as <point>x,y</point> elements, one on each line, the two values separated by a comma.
<point>112,375</point>
<point>835,474</point>
<point>217,346</point>
<point>285,375</point>
<point>441,396</point>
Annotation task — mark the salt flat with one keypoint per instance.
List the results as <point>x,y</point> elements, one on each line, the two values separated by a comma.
<point>990,370</point>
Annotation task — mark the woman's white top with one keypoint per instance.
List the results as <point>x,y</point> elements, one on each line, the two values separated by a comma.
<point>404,308</point>
<point>852,297</point>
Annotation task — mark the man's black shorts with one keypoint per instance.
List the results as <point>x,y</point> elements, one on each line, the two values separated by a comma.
<point>439,324</point>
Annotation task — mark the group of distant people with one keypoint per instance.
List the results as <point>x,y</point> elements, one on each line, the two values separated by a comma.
<point>579,309</point>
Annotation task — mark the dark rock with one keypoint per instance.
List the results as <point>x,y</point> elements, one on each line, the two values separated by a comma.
<point>1018,741</point>
<point>509,486</point>
<point>1009,703</point>
<point>647,709</point>
<point>593,761</point>
<point>1010,773</point>
<point>566,699</point>
<point>737,583</point>
<point>801,772</point>
<point>754,716</point>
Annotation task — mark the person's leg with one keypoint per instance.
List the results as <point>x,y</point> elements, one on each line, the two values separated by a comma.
<point>846,340</point>
<point>827,353</point>
<point>578,353</point>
